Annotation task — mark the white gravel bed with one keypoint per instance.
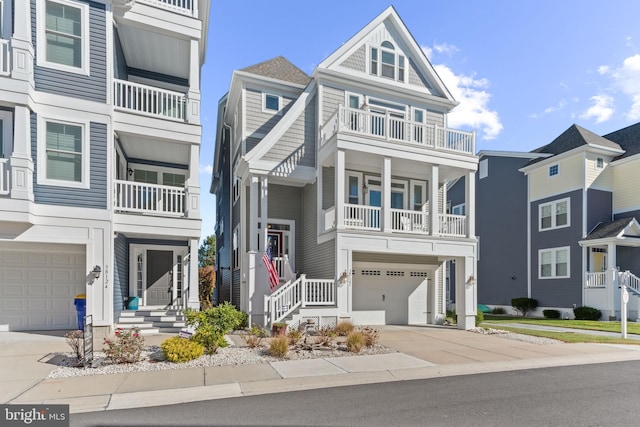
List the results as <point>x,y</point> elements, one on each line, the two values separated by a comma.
<point>513,336</point>
<point>152,360</point>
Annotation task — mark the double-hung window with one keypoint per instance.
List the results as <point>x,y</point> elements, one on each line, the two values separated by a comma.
<point>63,35</point>
<point>63,153</point>
<point>554,214</point>
<point>553,263</point>
<point>385,61</point>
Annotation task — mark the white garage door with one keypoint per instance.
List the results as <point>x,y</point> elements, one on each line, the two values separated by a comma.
<point>38,285</point>
<point>390,294</point>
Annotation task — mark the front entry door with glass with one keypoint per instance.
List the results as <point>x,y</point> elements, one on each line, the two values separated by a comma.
<point>159,277</point>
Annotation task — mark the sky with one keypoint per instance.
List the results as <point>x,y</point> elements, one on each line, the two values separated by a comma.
<point>523,71</point>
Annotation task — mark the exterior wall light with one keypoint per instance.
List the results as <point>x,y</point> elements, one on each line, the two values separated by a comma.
<point>96,271</point>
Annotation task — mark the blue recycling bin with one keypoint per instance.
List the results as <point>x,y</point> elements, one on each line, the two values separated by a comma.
<point>132,304</point>
<point>80,302</point>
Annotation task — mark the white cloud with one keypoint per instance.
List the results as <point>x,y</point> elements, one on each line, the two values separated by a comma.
<point>603,69</point>
<point>601,110</point>
<point>555,108</point>
<point>626,79</point>
<point>206,169</point>
<point>449,49</point>
<point>474,98</point>
<point>427,51</point>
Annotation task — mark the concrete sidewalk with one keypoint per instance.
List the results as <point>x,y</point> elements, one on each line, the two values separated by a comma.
<point>423,352</point>
<point>560,329</point>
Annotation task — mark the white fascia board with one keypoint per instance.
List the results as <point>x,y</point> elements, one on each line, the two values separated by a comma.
<point>574,152</point>
<point>514,154</point>
<point>634,158</point>
<point>156,227</point>
<point>600,149</point>
<point>301,175</point>
<point>53,104</point>
<point>154,19</point>
<point>620,241</point>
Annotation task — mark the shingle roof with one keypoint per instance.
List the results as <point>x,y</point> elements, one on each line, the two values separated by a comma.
<point>628,138</point>
<point>608,229</point>
<point>281,69</point>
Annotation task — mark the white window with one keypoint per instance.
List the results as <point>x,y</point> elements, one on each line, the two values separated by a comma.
<point>553,170</point>
<point>63,35</point>
<point>553,263</point>
<point>599,163</point>
<point>554,214</point>
<point>418,130</point>
<point>63,153</point>
<point>271,103</point>
<point>458,209</point>
<point>386,61</point>
<point>418,195</point>
<point>173,179</point>
<point>484,168</point>
<point>6,134</point>
<point>236,251</point>
<point>354,188</point>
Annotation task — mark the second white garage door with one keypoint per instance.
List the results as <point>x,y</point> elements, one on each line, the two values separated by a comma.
<point>38,283</point>
<point>390,294</point>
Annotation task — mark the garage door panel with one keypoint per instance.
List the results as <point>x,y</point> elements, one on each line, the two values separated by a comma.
<point>36,274</point>
<point>37,258</point>
<point>9,291</point>
<point>37,291</point>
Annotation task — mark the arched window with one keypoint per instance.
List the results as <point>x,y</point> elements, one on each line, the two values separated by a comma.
<point>386,62</point>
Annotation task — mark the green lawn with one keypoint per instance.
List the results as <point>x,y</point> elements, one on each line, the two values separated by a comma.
<point>632,327</point>
<point>571,337</point>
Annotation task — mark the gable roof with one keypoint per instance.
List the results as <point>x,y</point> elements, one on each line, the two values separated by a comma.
<point>628,138</point>
<point>609,229</point>
<point>279,68</point>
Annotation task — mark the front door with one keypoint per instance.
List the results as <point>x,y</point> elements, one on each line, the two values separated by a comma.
<point>159,277</point>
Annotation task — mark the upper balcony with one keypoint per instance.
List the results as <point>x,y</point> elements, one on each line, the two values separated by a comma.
<point>149,101</point>
<point>387,127</point>
<point>183,7</point>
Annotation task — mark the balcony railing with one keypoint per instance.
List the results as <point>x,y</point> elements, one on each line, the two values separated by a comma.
<point>453,225</point>
<point>395,129</point>
<point>185,7</point>
<point>362,217</point>
<point>139,197</point>
<point>409,221</point>
<point>596,280</point>
<point>5,58</point>
<point>4,177</point>
<point>149,100</point>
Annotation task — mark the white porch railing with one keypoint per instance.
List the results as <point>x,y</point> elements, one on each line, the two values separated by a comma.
<point>283,266</point>
<point>129,196</point>
<point>5,179</point>
<point>596,280</point>
<point>299,293</point>
<point>185,7</point>
<point>634,283</point>
<point>5,58</point>
<point>453,225</point>
<point>362,217</point>
<point>388,127</point>
<point>149,100</point>
<point>409,221</point>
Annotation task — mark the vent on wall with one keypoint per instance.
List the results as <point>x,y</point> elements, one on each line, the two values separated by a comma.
<point>395,273</point>
<point>419,274</point>
<point>370,272</point>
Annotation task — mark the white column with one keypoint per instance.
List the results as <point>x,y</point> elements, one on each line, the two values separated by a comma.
<point>193,102</point>
<point>470,203</point>
<point>264,211</point>
<point>386,194</point>
<point>253,215</point>
<point>251,285</point>
<point>193,184</point>
<point>21,161</point>
<point>339,187</point>
<point>193,290</point>
<point>21,47</point>
<point>434,202</point>
<point>611,282</point>
<point>466,292</point>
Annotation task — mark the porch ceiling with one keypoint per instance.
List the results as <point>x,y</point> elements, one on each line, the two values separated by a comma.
<point>158,150</point>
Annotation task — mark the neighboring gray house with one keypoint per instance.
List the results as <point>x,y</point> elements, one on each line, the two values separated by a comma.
<point>341,176</point>
<point>99,159</point>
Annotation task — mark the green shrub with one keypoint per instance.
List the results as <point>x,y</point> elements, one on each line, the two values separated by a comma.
<point>243,319</point>
<point>587,313</point>
<point>498,310</point>
<point>213,324</point>
<point>344,328</point>
<point>180,350</point>
<point>551,314</point>
<point>524,305</point>
<point>479,318</point>
<point>355,341</point>
<point>279,347</point>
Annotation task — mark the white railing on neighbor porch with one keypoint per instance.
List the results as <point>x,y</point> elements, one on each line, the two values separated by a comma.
<point>634,283</point>
<point>409,221</point>
<point>185,7</point>
<point>362,217</point>
<point>283,266</point>
<point>139,197</point>
<point>149,100</point>
<point>596,280</point>
<point>5,58</point>
<point>300,293</point>
<point>453,225</point>
<point>388,127</point>
<point>4,177</point>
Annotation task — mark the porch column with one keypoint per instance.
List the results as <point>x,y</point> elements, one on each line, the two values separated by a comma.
<point>466,292</point>
<point>339,187</point>
<point>21,47</point>
<point>253,215</point>
<point>193,290</point>
<point>251,285</point>
<point>434,202</point>
<point>386,195</point>
<point>470,203</point>
<point>611,282</point>
<point>21,161</point>
<point>192,210</point>
<point>193,96</point>
<point>264,215</point>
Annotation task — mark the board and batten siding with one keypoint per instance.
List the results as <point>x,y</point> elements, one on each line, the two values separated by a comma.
<point>331,98</point>
<point>92,87</point>
<point>570,177</point>
<point>257,120</point>
<point>319,259</point>
<point>297,147</point>
<point>94,197</point>
<point>626,196</point>
<point>120,274</point>
<point>601,179</point>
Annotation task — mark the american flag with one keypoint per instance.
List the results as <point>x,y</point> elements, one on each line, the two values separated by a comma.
<point>274,277</point>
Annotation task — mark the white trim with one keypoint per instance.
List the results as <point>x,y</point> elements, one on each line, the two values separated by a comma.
<point>553,205</point>
<point>41,37</point>
<point>135,248</point>
<point>557,170</point>
<point>412,184</point>
<point>42,151</point>
<point>483,168</point>
<point>269,110</point>
<point>7,131</point>
<point>553,252</point>
<point>359,177</point>
<point>517,154</point>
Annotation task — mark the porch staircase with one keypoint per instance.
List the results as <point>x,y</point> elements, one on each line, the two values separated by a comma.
<point>152,321</point>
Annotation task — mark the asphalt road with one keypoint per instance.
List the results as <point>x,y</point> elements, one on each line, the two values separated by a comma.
<point>587,395</point>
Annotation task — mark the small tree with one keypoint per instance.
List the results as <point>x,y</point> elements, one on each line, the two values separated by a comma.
<point>207,279</point>
<point>524,305</point>
<point>207,251</point>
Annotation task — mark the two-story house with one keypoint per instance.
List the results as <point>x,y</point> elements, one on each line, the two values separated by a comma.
<point>338,181</point>
<point>558,223</point>
<point>101,133</point>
